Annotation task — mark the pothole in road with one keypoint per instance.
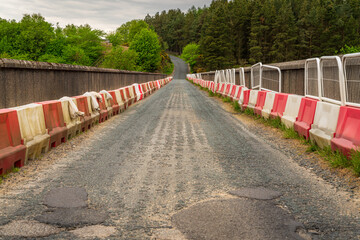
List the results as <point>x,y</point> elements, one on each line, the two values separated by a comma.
<point>259,193</point>
<point>236,219</point>
<point>69,209</point>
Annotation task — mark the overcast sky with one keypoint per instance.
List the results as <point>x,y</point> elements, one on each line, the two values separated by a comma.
<point>101,14</point>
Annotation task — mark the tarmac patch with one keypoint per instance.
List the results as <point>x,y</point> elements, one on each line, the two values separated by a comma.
<point>236,219</point>
<point>73,217</point>
<point>69,197</point>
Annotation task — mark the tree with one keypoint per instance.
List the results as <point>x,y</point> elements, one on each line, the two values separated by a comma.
<point>122,59</point>
<point>285,34</point>
<point>85,40</point>
<point>215,43</point>
<point>191,54</point>
<point>125,34</point>
<point>146,45</point>
<point>33,37</point>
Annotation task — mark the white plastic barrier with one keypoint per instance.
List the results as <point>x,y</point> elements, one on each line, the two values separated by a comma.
<point>71,117</point>
<point>291,110</point>
<point>138,94</point>
<point>241,99</point>
<point>94,108</point>
<point>269,102</point>
<point>33,130</point>
<point>132,94</point>
<point>119,100</point>
<point>253,99</point>
<point>236,92</point>
<point>108,97</point>
<point>325,122</point>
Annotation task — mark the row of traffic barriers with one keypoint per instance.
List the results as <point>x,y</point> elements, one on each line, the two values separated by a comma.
<point>327,120</point>
<point>30,130</point>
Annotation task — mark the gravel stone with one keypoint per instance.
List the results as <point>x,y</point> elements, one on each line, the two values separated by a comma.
<point>256,193</point>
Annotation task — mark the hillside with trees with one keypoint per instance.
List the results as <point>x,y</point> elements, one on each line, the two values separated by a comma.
<point>133,46</point>
<point>242,32</point>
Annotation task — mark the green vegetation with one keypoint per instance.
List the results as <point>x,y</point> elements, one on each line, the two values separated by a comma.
<point>34,39</point>
<point>191,55</point>
<point>227,99</point>
<point>240,32</point>
<point>7,174</point>
<point>146,44</point>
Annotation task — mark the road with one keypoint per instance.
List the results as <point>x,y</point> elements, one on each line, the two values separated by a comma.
<point>176,166</point>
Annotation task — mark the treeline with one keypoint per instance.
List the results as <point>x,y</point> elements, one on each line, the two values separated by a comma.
<point>133,46</point>
<point>240,32</point>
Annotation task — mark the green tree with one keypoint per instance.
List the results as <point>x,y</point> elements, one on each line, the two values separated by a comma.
<point>84,41</point>
<point>146,45</point>
<point>191,54</point>
<point>285,34</point>
<point>215,44</point>
<point>33,37</point>
<point>122,59</point>
<point>125,34</point>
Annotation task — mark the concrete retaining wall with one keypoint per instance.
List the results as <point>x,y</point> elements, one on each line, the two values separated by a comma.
<point>23,82</point>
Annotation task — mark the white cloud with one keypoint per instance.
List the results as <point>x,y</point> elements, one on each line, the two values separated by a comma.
<point>102,14</point>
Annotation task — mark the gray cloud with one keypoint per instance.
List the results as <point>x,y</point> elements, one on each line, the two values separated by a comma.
<point>101,14</point>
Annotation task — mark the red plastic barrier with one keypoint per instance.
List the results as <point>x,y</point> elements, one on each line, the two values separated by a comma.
<point>237,97</point>
<point>232,92</point>
<point>260,102</point>
<point>246,99</point>
<point>104,114</point>
<point>54,121</point>
<point>128,96</point>
<point>227,90</point>
<point>279,105</point>
<point>123,96</point>
<point>145,90</point>
<point>305,117</point>
<point>83,106</point>
<point>222,88</point>
<point>12,150</point>
<point>217,87</point>
<point>347,135</point>
<point>114,103</point>
<point>141,93</point>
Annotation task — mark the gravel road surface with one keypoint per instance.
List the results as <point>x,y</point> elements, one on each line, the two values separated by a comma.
<point>176,166</point>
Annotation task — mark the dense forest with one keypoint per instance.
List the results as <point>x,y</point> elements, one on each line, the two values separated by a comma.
<point>242,32</point>
<point>133,46</point>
